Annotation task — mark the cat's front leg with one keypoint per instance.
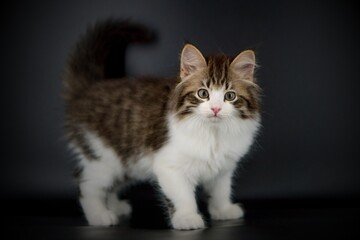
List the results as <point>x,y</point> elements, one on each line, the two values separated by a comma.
<point>220,205</point>
<point>181,192</point>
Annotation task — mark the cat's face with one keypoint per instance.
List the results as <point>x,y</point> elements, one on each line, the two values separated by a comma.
<point>217,103</point>
<point>216,88</point>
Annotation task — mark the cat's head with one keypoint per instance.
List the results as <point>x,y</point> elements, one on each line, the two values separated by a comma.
<point>217,87</point>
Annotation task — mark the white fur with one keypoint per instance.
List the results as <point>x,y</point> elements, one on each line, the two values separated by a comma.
<point>201,150</point>
<point>141,168</point>
<point>97,177</point>
<point>120,208</point>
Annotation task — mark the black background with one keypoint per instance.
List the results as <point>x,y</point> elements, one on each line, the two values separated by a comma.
<point>308,52</point>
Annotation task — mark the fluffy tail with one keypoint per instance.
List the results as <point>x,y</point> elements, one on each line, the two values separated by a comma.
<point>100,54</point>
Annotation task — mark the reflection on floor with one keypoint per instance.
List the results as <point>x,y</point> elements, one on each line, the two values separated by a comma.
<point>272,219</point>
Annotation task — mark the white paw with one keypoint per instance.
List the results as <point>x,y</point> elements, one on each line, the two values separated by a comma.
<point>190,221</point>
<point>120,208</point>
<point>105,218</point>
<point>231,211</point>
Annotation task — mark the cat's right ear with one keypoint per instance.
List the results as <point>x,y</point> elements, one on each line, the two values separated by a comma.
<point>191,61</point>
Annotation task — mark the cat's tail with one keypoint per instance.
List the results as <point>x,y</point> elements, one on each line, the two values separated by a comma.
<point>100,54</point>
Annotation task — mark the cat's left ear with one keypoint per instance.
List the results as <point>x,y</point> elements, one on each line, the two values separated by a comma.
<point>191,61</point>
<point>244,65</point>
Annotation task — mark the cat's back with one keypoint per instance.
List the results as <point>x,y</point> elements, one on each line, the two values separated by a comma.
<point>146,94</point>
<point>129,113</point>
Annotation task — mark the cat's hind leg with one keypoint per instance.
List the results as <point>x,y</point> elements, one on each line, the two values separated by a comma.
<point>121,208</point>
<point>96,181</point>
<point>93,201</point>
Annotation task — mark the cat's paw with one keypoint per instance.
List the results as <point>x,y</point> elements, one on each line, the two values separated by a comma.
<point>181,221</point>
<point>120,208</point>
<point>231,211</point>
<point>105,218</point>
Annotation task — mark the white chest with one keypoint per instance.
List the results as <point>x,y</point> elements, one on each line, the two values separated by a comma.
<point>202,152</point>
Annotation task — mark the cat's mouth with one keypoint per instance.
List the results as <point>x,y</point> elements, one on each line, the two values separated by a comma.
<point>214,118</point>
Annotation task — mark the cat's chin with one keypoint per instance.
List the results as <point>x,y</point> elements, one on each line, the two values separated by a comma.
<point>214,119</point>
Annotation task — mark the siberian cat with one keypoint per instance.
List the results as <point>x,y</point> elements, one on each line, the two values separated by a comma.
<point>179,132</point>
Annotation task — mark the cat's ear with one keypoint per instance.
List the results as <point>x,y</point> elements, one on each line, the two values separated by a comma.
<point>244,65</point>
<point>191,61</point>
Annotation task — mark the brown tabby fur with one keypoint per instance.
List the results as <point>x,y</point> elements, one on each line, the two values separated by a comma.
<point>130,114</point>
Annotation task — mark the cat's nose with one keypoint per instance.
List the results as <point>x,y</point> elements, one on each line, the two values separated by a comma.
<point>216,110</point>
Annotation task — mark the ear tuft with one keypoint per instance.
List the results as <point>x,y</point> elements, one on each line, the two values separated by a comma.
<point>244,64</point>
<point>191,60</point>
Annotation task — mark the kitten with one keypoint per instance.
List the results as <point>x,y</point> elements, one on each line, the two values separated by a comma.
<point>180,132</point>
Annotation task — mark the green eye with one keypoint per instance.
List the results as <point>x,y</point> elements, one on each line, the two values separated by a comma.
<point>203,93</point>
<point>230,96</point>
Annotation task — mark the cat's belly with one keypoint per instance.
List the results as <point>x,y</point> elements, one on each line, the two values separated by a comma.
<point>141,168</point>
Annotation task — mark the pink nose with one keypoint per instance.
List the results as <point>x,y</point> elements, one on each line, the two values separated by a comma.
<point>216,110</point>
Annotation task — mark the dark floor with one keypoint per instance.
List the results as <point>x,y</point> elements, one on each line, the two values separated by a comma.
<point>272,219</point>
